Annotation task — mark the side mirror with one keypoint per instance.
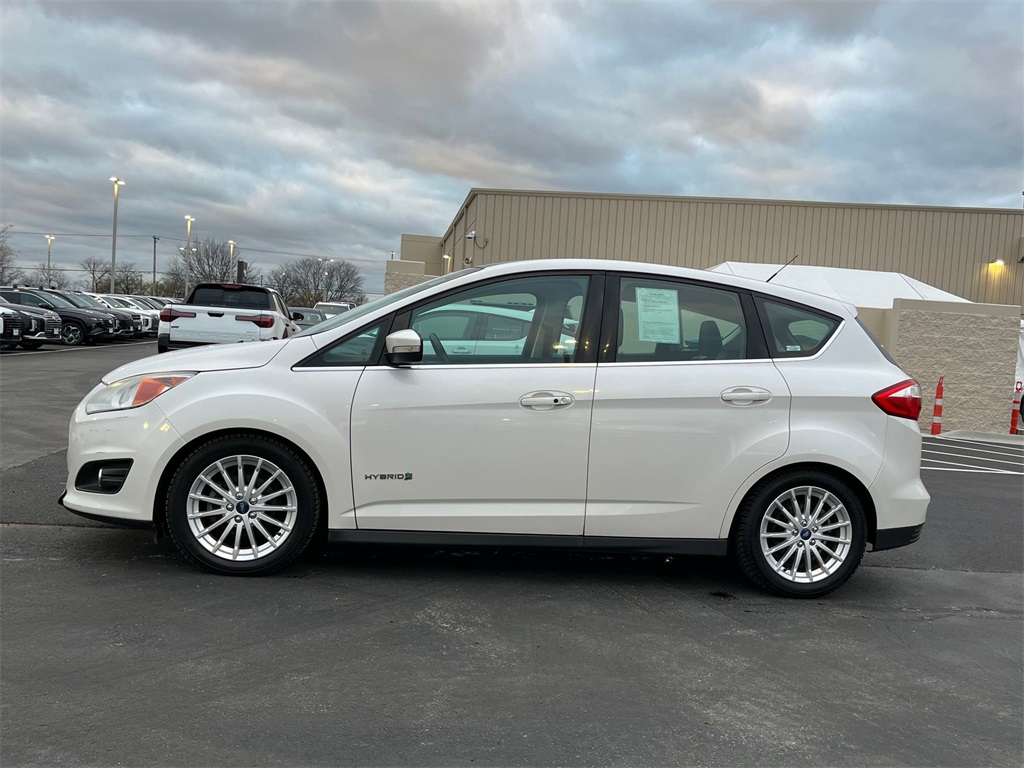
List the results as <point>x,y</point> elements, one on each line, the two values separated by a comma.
<point>403,347</point>
<point>46,305</point>
<point>297,316</point>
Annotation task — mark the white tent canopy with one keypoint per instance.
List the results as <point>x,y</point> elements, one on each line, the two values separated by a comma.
<point>860,287</point>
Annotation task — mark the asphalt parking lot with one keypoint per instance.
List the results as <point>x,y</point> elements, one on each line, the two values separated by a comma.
<point>113,651</point>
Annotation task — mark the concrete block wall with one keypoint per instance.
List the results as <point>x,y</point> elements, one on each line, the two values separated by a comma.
<point>974,347</point>
<point>396,281</point>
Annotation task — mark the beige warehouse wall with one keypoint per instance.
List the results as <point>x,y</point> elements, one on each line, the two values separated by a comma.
<point>425,249</point>
<point>973,346</point>
<point>950,248</point>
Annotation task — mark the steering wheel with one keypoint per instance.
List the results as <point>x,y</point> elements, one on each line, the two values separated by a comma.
<point>438,349</point>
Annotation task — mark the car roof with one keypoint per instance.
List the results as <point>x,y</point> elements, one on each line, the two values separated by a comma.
<point>715,278</point>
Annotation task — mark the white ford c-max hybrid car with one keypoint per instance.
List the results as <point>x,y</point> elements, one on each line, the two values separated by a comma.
<point>693,413</point>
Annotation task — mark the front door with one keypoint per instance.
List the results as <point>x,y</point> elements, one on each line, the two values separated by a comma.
<point>485,435</point>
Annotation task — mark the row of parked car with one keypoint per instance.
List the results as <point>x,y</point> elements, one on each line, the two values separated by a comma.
<point>31,317</point>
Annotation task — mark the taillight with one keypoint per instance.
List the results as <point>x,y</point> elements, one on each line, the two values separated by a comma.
<point>263,321</point>
<point>167,315</point>
<point>902,400</point>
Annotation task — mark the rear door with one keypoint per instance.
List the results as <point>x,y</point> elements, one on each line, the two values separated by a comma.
<point>688,405</point>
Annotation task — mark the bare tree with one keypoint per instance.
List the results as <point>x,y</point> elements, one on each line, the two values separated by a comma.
<point>129,279</point>
<point>9,272</point>
<point>49,277</point>
<point>307,281</point>
<point>210,261</point>
<point>97,270</point>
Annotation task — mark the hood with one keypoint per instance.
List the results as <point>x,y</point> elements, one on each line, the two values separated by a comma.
<point>210,357</point>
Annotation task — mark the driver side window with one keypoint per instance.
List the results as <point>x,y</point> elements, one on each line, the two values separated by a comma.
<point>526,320</point>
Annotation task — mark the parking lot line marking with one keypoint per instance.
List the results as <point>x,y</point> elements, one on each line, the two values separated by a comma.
<point>977,470</point>
<point>79,349</point>
<point>976,450</point>
<point>976,458</point>
<point>1014,450</point>
<point>971,467</point>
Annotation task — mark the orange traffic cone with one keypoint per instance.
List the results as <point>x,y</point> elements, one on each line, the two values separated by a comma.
<point>937,412</point>
<point>1015,413</point>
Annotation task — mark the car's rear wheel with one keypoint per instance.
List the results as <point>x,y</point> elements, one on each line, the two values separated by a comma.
<point>31,344</point>
<point>800,533</point>
<point>72,333</point>
<point>243,505</point>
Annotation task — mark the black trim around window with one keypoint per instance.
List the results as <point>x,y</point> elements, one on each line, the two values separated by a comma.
<point>378,348</point>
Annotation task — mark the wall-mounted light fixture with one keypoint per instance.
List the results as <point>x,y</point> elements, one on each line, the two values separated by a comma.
<point>997,262</point>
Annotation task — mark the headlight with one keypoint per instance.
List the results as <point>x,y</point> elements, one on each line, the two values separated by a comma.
<point>134,391</point>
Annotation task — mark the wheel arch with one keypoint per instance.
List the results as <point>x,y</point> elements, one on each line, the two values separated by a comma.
<point>159,498</point>
<point>858,487</point>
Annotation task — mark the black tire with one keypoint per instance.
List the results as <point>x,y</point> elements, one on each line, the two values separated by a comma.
<point>791,576</point>
<point>31,344</point>
<point>9,344</point>
<point>72,333</point>
<point>247,524</point>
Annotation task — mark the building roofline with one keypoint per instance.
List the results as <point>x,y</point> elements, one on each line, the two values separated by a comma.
<point>474,191</point>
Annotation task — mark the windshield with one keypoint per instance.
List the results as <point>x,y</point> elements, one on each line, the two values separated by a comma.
<point>57,300</point>
<point>83,301</point>
<point>383,301</point>
<point>118,302</point>
<point>146,302</point>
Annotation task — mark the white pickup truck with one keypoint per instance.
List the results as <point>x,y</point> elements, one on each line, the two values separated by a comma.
<point>224,313</point>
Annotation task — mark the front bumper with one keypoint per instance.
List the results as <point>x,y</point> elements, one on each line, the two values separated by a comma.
<point>140,434</point>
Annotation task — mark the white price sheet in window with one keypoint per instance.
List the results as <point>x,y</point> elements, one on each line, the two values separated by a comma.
<point>658,315</point>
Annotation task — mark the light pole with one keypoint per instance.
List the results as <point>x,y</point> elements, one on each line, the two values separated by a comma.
<point>49,242</point>
<point>118,183</point>
<point>187,252</point>
<point>231,261</point>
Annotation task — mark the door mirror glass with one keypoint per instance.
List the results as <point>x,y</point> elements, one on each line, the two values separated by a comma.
<point>403,347</point>
<point>298,316</point>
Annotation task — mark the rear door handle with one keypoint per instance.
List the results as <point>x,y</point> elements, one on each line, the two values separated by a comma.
<point>545,401</point>
<point>746,395</point>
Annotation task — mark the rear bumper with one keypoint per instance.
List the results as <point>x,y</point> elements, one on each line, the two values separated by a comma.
<point>164,343</point>
<point>891,538</point>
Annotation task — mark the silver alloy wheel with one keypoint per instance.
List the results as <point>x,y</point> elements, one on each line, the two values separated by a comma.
<point>242,508</point>
<point>806,534</point>
<point>71,334</point>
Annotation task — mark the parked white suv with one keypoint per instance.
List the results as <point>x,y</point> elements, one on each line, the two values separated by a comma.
<point>693,413</point>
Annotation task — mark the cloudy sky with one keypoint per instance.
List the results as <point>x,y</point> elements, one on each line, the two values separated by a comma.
<point>332,128</point>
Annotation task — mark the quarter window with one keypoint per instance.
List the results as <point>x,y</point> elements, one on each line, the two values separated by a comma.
<point>526,320</point>
<point>795,331</point>
<point>361,348</point>
<point>662,320</point>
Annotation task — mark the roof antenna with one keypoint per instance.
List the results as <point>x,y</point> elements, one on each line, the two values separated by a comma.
<point>783,267</point>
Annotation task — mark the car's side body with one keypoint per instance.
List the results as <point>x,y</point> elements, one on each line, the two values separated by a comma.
<point>642,450</point>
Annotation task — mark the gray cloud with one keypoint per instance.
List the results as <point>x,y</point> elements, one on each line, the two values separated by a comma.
<point>334,127</point>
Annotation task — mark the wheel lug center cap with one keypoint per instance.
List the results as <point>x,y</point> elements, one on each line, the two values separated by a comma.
<point>805,534</point>
<point>242,507</point>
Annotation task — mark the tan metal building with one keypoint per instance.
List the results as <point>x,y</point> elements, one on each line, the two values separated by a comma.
<point>955,249</point>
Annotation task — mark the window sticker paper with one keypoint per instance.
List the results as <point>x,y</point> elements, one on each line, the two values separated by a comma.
<point>657,312</point>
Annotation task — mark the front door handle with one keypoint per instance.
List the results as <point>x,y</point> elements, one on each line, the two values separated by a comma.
<point>746,395</point>
<point>546,401</point>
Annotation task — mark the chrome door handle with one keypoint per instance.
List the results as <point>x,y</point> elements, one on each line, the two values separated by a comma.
<point>545,401</point>
<point>746,395</point>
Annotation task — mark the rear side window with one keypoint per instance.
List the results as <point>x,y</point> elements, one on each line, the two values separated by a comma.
<point>227,296</point>
<point>668,321</point>
<point>796,331</point>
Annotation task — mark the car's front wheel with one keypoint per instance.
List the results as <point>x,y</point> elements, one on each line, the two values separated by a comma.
<point>800,533</point>
<point>243,505</point>
<point>72,333</point>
